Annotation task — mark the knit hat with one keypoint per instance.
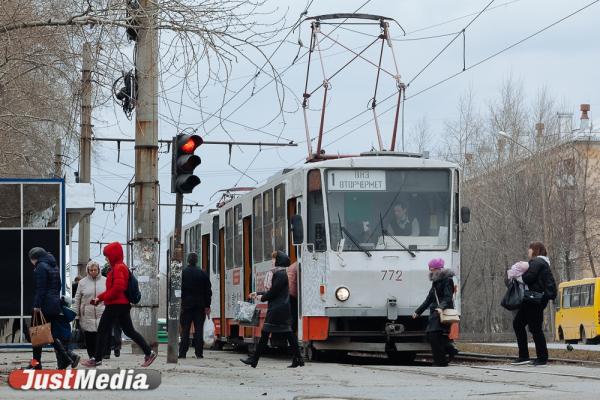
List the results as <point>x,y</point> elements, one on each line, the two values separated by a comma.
<point>282,260</point>
<point>36,253</point>
<point>436,263</point>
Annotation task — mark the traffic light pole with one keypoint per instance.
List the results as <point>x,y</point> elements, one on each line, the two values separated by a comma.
<point>145,239</point>
<point>175,285</point>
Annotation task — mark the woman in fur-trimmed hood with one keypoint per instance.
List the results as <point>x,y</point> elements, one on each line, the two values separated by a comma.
<point>442,284</point>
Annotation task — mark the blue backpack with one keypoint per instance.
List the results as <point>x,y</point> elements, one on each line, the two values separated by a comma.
<point>133,289</point>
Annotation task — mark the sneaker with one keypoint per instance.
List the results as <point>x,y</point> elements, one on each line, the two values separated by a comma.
<point>199,356</point>
<point>538,363</point>
<point>91,363</point>
<point>34,364</point>
<point>521,361</point>
<point>149,359</point>
<point>106,357</point>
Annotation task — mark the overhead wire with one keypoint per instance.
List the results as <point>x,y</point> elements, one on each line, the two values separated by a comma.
<point>474,65</point>
<point>448,44</point>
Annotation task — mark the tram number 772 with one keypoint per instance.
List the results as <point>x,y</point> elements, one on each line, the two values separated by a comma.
<point>391,275</point>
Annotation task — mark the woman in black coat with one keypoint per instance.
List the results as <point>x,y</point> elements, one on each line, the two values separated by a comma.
<point>442,285</point>
<point>46,300</point>
<point>539,279</point>
<point>279,315</point>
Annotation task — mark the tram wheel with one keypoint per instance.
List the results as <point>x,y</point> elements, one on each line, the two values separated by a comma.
<point>312,354</point>
<point>402,357</point>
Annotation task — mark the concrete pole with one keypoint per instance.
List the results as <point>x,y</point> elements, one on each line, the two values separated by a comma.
<point>175,284</point>
<point>85,155</point>
<point>145,224</point>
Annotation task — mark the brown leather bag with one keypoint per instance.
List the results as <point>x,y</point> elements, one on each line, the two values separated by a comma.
<point>40,331</point>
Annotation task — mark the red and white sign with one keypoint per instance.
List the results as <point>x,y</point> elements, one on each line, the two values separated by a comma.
<point>84,379</point>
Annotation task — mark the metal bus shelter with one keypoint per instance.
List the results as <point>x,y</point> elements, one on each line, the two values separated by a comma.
<point>32,213</point>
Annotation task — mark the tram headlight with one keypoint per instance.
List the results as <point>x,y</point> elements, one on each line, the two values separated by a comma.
<point>342,293</point>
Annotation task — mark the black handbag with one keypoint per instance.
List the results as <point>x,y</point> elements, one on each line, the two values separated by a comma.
<point>533,297</point>
<point>513,298</point>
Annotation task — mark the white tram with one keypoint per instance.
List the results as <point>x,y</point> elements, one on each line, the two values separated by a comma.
<point>362,268</point>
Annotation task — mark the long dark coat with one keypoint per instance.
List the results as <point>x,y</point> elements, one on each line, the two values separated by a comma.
<point>279,314</point>
<point>46,279</point>
<point>443,285</point>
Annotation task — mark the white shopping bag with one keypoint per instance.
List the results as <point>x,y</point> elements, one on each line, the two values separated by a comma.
<point>209,332</point>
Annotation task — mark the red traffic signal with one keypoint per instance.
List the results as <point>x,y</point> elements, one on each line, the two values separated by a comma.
<point>188,143</point>
<point>183,163</point>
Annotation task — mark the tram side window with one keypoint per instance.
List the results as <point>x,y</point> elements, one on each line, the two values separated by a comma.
<point>316,216</point>
<point>268,242</point>
<point>215,245</point>
<point>237,236</point>
<point>198,243</point>
<point>229,239</point>
<point>279,228</point>
<point>186,244</point>
<point>257,236</point>
<point>455,224</point>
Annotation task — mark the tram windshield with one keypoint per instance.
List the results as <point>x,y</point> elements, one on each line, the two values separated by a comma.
<point>385,209</point>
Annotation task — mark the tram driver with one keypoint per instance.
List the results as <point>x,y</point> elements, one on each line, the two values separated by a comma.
<point>401,224</point>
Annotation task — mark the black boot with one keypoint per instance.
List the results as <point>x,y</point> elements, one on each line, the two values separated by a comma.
<point>251,361</point>
<point>297,362</point>
<point>74,359</point>
<point>62,357</point>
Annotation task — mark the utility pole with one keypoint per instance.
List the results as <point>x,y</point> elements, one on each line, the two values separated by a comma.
<point>145,224</point>
<point>85,155</point>
<point>175,285</point>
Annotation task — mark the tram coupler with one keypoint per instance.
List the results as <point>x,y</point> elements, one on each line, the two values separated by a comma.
<point>392,309</point>
<point>393,329</point>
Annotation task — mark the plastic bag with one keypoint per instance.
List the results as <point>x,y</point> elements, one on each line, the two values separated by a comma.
<point>209,332</point>
<point>513,298</point>
<point>247,313</point>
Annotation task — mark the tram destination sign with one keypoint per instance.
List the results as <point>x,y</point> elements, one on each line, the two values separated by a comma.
<point>356,180</point>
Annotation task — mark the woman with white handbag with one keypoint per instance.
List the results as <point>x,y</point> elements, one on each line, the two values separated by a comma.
<point>441,310</point>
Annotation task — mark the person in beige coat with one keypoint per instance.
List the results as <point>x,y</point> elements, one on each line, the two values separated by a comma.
<point>89,315</point>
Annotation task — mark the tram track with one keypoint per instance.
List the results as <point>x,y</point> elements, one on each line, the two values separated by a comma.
<point>467,356</point>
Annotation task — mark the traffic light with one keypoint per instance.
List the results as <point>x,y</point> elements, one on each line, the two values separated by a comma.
<point>183,163</point>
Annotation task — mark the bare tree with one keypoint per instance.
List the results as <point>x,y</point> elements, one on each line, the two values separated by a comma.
<point>40,58</point>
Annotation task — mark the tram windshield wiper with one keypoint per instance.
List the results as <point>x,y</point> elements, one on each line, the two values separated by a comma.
<point>412,253</point>
<point>352,239</point>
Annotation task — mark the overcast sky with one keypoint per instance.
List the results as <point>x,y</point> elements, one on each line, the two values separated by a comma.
<point>564,58</point>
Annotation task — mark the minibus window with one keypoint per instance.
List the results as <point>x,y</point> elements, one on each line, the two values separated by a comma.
<point>566,303</point>
<point>575,296</point>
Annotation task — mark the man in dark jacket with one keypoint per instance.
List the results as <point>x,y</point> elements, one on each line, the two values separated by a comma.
<point>46,301</point>
<point>196,294</point>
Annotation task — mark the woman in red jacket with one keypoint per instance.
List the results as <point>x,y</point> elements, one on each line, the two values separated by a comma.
<point>117,307</point>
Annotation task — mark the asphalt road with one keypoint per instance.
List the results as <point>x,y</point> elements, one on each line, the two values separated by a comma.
<point>220,375</point>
